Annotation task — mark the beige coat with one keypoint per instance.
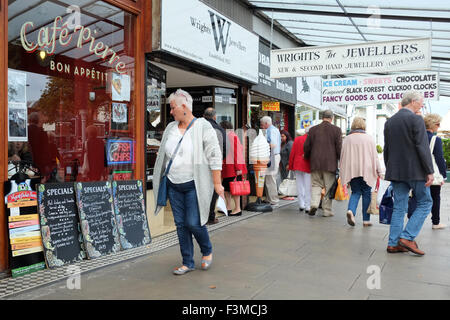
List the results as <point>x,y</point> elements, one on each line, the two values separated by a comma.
<point>359,159</point>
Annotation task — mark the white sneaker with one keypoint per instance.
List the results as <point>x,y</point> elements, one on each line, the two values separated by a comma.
<point>439,226</point>
<point>350,218</point>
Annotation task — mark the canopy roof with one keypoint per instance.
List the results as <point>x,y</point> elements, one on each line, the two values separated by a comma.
<point>331,22</point>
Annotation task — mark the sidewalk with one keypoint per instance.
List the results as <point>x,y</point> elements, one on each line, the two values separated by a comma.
<point>280,255</point>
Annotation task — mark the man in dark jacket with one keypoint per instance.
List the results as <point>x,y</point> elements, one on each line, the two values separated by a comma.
<point>408,166</point>
<point>210,115</point>
<point>323,149</point>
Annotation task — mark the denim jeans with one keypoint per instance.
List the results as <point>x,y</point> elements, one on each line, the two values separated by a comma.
<point>183,199</point>
<point>360,189</point>
<point>415,223</point>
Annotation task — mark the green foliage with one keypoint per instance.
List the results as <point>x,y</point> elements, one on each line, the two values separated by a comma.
<point>379,149</point>
<point>446,147</point>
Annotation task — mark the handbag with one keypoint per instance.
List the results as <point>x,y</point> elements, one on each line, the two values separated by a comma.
<point>162,191</point>
<point>387,206</point>
<point>333,188</point>
<point>438,178</point>
<point>341,192</point>
<point>373,208</point>
<point>288,186</point>
<point>240,188</point>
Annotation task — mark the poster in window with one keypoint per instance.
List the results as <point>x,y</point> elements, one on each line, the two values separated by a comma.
<point>120,84</point>
<point>119,117</point>
<point>17,83</point>
<point>17,123</point>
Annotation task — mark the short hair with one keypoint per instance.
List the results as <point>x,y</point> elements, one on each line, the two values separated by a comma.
<point>307,128</point>
<point>358,123</point>
<point>410,96</point>
<point>209,113</point>
<point>226,124</point>
<point>266,119</point>
<point>431,119</point>
<point>34,118</point>
<point>328,114</point>
<point>181,97</point>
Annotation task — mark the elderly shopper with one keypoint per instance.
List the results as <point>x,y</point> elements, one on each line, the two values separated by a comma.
<point>302,170</point>
<point>408,166</point>
<point>360,167</point>
<point>193,177</point>
<point>274,139</point>
<point>323,149</point>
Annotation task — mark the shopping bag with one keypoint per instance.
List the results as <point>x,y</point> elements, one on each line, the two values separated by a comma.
<point>382,190</point>
<point>373,207</point>
<point>288,187</point>
<point>240,188</point>
<point>387,206</point>
<point>341,191</point>
<point>333,188</point>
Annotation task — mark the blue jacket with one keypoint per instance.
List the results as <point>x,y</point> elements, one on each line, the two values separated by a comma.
<point>438,154</point>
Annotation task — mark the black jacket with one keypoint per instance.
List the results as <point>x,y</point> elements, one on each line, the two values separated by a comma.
<point>407,153</point>
<point>221,136</point>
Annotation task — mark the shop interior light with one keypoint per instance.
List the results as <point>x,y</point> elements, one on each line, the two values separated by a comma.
<point>254,106</point>
<point>42,54</point>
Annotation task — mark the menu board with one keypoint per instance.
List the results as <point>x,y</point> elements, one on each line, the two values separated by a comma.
<point>130,213</point>
<point>25,242</point>
<point>96,212</point>
<point>60,227</point>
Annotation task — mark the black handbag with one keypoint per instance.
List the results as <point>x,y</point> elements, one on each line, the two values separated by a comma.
<point>334,186</point>
<point>162,191</point>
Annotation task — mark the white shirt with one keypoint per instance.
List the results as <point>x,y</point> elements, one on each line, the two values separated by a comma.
<point>182,169</point>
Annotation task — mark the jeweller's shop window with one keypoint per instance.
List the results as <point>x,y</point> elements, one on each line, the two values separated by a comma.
<point>71,99</point>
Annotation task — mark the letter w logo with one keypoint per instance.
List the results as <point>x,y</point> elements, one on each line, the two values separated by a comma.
<point>221,23</point>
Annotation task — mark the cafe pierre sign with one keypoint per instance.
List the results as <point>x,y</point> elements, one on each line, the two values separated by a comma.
<point>49,37</point>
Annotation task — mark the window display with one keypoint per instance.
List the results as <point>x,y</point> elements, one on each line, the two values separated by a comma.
<point>71,90</point>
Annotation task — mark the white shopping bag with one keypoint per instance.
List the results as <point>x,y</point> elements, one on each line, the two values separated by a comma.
<point>384,184</point>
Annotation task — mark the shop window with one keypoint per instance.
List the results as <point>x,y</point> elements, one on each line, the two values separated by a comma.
<point>71,102</point>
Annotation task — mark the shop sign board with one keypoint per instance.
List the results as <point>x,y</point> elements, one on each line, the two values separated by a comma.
<point>306,119</point>
<point>378,89</point>
<point>119,151</point>
<point>309,90</point>
<point>368,57</point>
<point>194,31</point>
<point>282,89</point>
<point>271,106</point>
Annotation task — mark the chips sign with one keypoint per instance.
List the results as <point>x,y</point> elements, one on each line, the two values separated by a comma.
<point>367,57</point>
<point>378,89</point>
<point>120,152</point>
<point>271,106</point>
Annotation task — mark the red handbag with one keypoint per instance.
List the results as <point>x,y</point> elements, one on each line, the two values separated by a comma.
<point>240,188</point>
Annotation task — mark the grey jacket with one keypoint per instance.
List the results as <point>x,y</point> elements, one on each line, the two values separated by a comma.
<point>207,157</point>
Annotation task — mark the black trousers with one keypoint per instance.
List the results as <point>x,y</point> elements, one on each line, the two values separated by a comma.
<point>435,192</point>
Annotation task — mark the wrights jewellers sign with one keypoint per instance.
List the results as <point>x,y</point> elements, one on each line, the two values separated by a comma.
<point>194,31</point>
<point>370,57</point>
<point>48,38</point>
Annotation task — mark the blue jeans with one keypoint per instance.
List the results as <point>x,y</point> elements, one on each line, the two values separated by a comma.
<point>183,199</point>
<point>415,223</point>
<point>360,189</point>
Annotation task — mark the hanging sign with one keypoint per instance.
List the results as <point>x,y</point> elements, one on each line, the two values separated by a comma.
<point>368,57</point>
<point>271,106</point>
<point>378,89</point>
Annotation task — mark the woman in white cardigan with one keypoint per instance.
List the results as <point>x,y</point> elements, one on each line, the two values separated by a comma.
<point>194,175</point>
<point>360,167</point>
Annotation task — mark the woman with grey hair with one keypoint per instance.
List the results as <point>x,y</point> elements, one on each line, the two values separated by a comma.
<point>194,174</point>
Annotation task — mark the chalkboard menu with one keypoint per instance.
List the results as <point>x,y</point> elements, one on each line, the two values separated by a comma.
<point>96,211</point>
<point>60,227</point>
<point>130,213</point>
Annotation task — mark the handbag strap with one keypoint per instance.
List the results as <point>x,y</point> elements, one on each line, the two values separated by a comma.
<point>178,146</point>
<point>432,142</point>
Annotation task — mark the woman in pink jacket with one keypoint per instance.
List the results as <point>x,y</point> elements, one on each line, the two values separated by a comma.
<point>302,172</point>
<point>360,167</point>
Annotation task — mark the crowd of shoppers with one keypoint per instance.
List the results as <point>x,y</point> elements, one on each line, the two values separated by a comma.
<point>205,159</point>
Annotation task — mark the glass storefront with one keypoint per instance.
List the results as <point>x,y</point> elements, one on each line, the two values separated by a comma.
<point>71,98</point>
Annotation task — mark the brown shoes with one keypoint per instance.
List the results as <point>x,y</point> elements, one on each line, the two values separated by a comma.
<point>396,249</point>
<point>213,221</point>
<point>411,246</point>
